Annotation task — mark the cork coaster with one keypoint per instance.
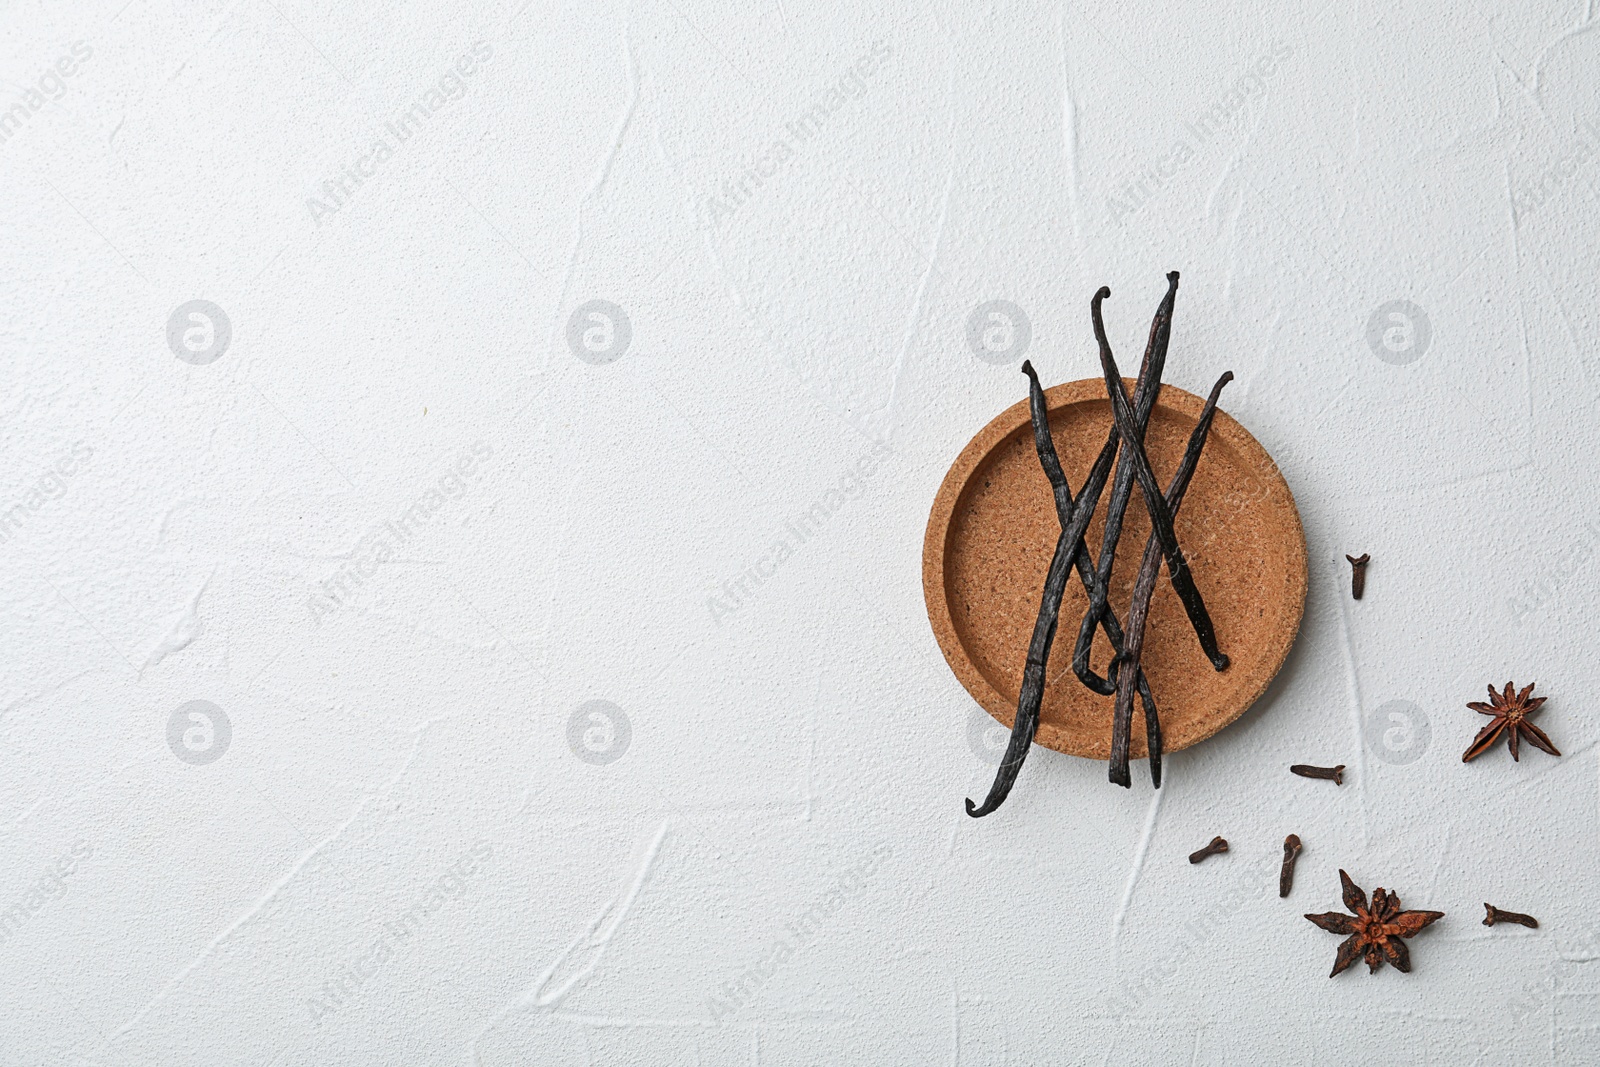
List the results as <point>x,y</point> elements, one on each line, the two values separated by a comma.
<point>993,530</point>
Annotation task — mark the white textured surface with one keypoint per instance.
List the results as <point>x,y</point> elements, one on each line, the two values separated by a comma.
<point>400,535</point>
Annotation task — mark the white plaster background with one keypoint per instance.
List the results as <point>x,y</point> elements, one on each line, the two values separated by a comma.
<point>777,869</point>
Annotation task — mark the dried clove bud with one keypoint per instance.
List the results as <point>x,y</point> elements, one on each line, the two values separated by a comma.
<point>1291,850</point>
<point>1217,845</point>
<point>1358,574</point>
<point>1333,774</point>
<point>1500,915</point>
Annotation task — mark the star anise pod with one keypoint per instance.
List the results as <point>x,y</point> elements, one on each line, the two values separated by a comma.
<point>1375,931</point>
<point>1511,718</point>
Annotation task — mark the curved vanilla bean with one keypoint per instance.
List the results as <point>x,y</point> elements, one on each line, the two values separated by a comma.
<point>1031,694</point>
<point>1143,588</point>
<point>1155,504</point>
<point>1045,445</point>
<point>1070,551</point>
<point>1026,723</point>
<point>1144,399</point>
<point>1145,391</point>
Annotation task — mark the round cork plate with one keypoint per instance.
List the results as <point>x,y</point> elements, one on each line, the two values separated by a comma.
<point>993,530</point>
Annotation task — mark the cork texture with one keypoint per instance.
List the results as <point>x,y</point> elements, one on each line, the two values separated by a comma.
<point>993,529</point>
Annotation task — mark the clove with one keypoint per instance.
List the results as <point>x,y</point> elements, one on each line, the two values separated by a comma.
<point>1333,774</point>
<point>1358,574</point>
<point>1499,915</point>
<point>1217,845</point>
<point>1291,851</point>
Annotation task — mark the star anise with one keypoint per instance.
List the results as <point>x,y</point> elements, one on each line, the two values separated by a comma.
<point>1511,718</point>
<point>1375,931</point>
